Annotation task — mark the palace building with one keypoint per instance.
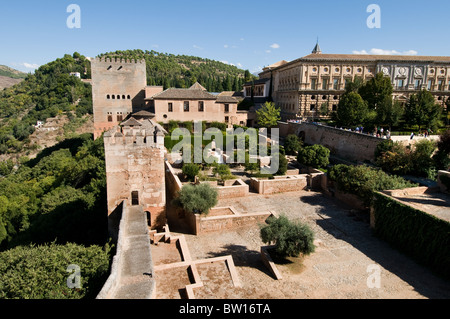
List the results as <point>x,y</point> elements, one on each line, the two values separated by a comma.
<point>306,85</point>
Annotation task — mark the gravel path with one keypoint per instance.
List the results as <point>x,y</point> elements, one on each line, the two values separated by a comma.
<point>338,269</point>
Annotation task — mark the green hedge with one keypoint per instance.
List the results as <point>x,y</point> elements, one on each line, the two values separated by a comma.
<point>416,233</point>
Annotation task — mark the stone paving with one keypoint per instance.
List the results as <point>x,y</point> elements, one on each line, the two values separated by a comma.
<point>338,269</point>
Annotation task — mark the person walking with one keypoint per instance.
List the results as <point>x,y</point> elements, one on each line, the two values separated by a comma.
<point>412,136</point>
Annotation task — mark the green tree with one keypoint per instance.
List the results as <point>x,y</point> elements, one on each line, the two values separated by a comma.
<point>352,110</point>
<point>389,112</point>
<point>422,110</point>
<point>376,91</point>
<point>268,116</point>
<point>291,239</point>
<point>190,170</point>
<point>223,171</point>
<point>317,156</point>
<point>197,199</point>
<point>292,144</point>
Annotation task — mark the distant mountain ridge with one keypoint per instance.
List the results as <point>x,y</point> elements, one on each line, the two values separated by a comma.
<point>10,77</point>
<point>11,73</point>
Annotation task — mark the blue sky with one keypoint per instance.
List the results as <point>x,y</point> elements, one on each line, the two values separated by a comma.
<point>248,33</point>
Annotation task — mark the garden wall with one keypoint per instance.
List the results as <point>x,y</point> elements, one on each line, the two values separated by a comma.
<point>414,232</point>
<point>280,184</point>
<point>233,189</point>
<point>344,144</point>
<point>204,224</point>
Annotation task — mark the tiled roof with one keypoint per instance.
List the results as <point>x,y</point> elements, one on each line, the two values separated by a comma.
<point>372,57</point>
<point>143,114</point>
<point>192,94</point>
<point>226,99</point>
<point>131,122</point>
<point>197,86</point>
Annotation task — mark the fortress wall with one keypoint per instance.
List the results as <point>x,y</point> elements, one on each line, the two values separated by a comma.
<point>344,144</point>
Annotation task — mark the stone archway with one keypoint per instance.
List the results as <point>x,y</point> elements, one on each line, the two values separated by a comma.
<point>302,135</point>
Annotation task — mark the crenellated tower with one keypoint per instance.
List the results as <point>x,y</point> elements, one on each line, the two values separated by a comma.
<point>118,89</point>
<point>134,157</point>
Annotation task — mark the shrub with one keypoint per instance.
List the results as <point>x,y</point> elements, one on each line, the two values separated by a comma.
<point>197,199</point>
<point>191,170</point>
<point>363,181</point>
<point>291,239</point>
<point>292,144</point>
<point>29,272</point>
<point>223,171</point>
<point>317,156</point>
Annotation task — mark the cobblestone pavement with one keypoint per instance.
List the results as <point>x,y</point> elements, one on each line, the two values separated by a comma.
<point>338,269</point>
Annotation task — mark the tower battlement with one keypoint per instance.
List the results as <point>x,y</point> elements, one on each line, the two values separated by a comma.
<point>118,61</point>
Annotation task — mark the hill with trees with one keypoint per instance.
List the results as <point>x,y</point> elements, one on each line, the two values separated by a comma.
<point>181,71</point>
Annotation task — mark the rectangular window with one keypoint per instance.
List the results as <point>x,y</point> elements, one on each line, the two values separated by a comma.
<point>336,84</point>
<point>119,116</point>
<point>312,107</point>
<point>441,85</point>
<point>325,84</point>
<point>186,106</point>
<point>334,107</point>
<point>417,84</point>
<point>201,106</point>
<point>227,119</point>
<point>227,108</point>
<point>170,107</point>
<point>313,84</point>
<point>400,83</point>
<point>430,85</point>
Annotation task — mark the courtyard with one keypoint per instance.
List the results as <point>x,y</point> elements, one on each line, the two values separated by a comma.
<point>346,254</point>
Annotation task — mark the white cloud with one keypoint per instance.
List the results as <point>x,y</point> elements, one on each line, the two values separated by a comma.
<point>275,46</point>
<point>30,65</point>
<point>268,51</point>
<point>239,65</point>
<point>225,46</point>
<point>376,51</point>
<point>197,47</point>
<point>256,70</point>
<point>242,39</point>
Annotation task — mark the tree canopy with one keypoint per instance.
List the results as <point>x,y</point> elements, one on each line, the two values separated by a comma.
<point>268,116</point>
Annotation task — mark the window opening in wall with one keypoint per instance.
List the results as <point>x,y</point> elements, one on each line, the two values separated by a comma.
<point>135,198</point>
<point>201,106</point>
<point>186,106</point>
<point>170,107</point>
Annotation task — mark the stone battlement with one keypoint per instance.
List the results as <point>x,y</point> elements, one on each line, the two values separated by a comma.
<point>118,61</point>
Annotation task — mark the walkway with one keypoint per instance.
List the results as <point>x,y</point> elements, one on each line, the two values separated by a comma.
<point>136,267</point>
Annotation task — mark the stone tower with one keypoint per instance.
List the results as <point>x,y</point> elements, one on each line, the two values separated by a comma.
<point>135,171</point>
<point>118,89</point>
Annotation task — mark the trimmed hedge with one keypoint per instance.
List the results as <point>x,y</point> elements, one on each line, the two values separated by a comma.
<point>422,236</point>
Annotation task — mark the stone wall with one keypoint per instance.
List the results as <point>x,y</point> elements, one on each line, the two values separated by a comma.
<point>280,184</point>
<point>348,145</point>
<point>204,224</point>
<point>237,189</point>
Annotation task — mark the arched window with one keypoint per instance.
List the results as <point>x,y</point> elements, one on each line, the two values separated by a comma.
<point>118,97</point>
<point>128,97</point>
<point>108,97</point>
<point>113,97</point>
<point>123,97</point>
